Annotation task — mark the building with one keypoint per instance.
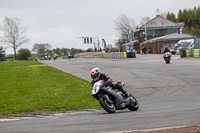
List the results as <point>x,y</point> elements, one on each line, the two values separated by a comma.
<point>153,34</point>
<point>126,38</point>
<point>157,27</point>
<point>156,44</point>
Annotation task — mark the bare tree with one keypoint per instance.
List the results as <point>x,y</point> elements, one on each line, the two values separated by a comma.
<point>41,48</point>
<point>13,33</point>
<point>144,20</point>
<point>163,14</point>
<point>124,24</point>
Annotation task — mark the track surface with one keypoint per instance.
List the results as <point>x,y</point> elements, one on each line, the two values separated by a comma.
<point>169,95</point>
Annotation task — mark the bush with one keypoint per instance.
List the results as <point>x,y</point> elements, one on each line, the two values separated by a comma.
<point>23,54</point>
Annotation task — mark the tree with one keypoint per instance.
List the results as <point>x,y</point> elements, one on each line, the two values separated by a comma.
<point>144,20</point>
<point>74,51</point>
<point>2,54</point>
<point>184,13</point>
<point>180,16</point>
<point>171,16</point>
<point>163,14</point>
<point>13,34</point>
<point>191,19</point>
<point>57,51</point>
<point>124,24</point>
<point>65,51</point>
<point>198,16</point>
<point>49,52</point>
<point>23,54</point>
<point>41,49</point>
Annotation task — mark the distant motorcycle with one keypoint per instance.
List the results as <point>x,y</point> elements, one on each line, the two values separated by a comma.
<point>69,56</point>
<point>112,99</point>
<point>49,57</point>
<point>167,57</point>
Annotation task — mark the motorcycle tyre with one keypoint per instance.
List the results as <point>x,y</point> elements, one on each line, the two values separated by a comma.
<point>133,106</point>
<point>167,61</point>
<point>105,106</point>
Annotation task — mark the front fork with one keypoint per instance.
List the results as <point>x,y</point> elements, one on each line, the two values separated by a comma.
<point>107,98</point>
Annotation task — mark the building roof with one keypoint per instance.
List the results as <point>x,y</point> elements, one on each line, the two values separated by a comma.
<point>161,22</point>
<point>173,36</point>
<point>130,43</point>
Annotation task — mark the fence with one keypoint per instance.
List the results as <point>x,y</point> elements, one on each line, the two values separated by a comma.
<point>197,42</point>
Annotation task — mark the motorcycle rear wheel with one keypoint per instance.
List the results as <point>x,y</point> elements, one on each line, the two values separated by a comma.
<point>134,105</point>
<point>106,105</point>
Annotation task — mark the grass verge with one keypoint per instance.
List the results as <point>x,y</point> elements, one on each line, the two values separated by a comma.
<point>27,88</point>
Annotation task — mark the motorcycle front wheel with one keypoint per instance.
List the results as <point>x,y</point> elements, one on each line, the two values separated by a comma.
<point>167,60</point>
<point>107,105</point>
<point>134,105</point>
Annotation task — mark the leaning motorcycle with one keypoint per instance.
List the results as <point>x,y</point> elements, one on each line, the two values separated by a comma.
<point>112,99</point>
<point>167,57</point>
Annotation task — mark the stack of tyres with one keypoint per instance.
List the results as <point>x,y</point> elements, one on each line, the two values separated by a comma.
<point>196,52</point>
<point>191,53</point>
<point>187,53</point>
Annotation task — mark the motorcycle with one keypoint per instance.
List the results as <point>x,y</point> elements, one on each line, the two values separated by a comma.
<point>112,99</point>
<point>167,57</point>
<point>69,56</point>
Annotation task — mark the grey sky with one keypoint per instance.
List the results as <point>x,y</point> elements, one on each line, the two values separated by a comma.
<point>59,22</point>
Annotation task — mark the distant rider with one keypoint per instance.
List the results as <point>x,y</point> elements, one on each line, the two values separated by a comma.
<point>97,75</point>
<point>166,50</point>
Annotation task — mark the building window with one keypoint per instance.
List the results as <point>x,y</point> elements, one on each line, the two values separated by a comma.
<point>170,31</point>
<point>128,36</point>
<point>152,32</point>
<point>124,36</point>
<point>156,32</point>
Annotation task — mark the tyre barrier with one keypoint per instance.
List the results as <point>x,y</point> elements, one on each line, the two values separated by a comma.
<point>76,56</point>
<point>177,52</point>
<point>112,55</point>
<point>188,53</point>
<point>131,54</point>
<point>115,55</point>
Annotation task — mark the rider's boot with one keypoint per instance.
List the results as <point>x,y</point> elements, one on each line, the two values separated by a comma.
<point>120,87</point>
<point>126,94</point>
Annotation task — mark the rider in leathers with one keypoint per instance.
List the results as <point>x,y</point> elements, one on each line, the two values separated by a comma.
<point>166,50</point>
<point>97,75</point>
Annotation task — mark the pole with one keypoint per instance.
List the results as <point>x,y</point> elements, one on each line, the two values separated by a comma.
<point>145,32</point>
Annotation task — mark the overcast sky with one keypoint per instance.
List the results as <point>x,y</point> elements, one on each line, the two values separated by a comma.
<point>60,22</point>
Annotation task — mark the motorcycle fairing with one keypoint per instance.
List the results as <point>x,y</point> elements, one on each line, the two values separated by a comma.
<point>119,100</point>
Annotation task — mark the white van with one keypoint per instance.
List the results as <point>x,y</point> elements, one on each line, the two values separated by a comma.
<point>185,44</point>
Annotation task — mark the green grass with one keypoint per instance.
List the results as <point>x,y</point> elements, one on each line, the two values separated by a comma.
<point>26,89</point>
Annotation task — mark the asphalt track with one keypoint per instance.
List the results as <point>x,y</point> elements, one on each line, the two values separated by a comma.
<point>168,94</point>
